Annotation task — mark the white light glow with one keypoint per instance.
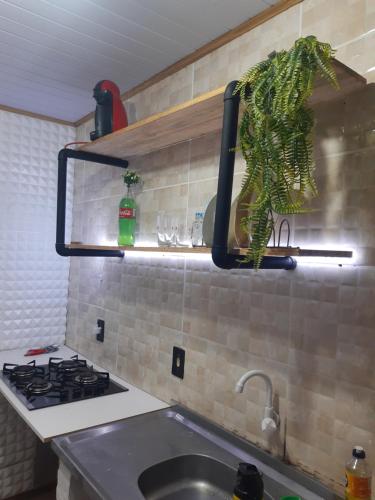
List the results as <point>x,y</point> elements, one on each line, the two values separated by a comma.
<point>204,256</point>
<point>147,243</point>
<point>334,261</point>
<point>169,255</point>
<point>108,243</point>
<point>322,261</point>
<point>156,254</point>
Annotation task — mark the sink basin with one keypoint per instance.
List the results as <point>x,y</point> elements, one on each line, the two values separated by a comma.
<point>173,454</point>
<point>188,477</point>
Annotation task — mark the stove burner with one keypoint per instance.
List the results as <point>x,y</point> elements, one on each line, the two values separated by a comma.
<point>67,367</point>
<point>21,374</point>
<point>38,387</point>
<point>24,371</point>
<point>69,364</point>
<point>86,378</point>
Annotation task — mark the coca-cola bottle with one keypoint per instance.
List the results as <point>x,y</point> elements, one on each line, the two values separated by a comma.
<point>127,212</point>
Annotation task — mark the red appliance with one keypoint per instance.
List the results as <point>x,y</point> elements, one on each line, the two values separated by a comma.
<point>110,114</point>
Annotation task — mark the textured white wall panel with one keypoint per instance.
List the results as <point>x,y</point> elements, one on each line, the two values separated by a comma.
<point>16,478</point>
<point>17,441</point>
<point>64,478</point>
<point>33,278</point>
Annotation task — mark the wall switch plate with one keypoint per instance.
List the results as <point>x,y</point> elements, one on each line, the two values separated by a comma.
<point>178,362</point>
<point>100,334</point>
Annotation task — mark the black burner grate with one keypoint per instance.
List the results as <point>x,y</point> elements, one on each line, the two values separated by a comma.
<point>61,381</point>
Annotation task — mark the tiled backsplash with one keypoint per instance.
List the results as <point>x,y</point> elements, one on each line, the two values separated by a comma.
<point>34,279</point>
<point>312,329</point>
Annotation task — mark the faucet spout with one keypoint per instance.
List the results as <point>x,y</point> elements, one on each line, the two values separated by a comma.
<point>271,418</point>
<point>256,373</point>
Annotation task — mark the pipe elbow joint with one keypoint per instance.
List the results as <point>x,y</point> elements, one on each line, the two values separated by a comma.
<point>62,250</point>
<point>220,258</point>
<point>229,90</point>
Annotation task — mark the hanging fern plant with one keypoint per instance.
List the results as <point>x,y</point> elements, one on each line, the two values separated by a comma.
<point>276,135</point>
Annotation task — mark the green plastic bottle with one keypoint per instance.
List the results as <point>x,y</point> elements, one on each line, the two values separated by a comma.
<point>290,498</point>
<point>127,220</point>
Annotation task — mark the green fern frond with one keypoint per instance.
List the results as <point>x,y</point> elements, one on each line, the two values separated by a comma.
<point>276,135</point>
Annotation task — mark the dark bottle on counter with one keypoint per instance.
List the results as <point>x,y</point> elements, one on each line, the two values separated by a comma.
<point>249,483</point>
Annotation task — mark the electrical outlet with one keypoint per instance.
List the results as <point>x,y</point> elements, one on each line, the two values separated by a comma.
<point>100,330</point>
<point>178,362</point>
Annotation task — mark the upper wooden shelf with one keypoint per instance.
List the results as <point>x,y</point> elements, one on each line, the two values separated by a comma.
<point>198,117</point>
<point>189,120</point>
<point>349,81</point>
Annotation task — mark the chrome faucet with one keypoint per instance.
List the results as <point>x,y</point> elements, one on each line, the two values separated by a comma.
<point>271,419</point>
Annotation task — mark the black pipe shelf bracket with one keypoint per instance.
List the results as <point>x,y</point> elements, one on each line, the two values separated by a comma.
<point>220,254</point>
<point>64,154</point>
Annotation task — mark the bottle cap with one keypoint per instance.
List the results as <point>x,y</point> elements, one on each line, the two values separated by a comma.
<point>249,483</point>
<point>358,452</point>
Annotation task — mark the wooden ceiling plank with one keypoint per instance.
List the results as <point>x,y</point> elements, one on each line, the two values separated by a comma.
<point>18,111</point>
<point>206,49</point>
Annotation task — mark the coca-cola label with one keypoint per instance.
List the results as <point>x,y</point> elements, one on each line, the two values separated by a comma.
<point>127,213</point>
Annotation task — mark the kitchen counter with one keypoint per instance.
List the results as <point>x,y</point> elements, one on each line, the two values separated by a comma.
<point>54,421</point>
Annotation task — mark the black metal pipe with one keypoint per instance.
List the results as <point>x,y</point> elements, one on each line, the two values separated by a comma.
<point>63,157</point>
<point>65,251</point>
<point>220,255</point>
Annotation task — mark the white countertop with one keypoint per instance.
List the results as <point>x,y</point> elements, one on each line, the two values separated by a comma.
<point>54,421</point>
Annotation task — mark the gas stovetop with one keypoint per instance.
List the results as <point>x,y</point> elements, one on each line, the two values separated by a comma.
<point>61,381</point>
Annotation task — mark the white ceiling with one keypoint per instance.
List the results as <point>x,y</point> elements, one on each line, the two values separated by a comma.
<point>52,52</point>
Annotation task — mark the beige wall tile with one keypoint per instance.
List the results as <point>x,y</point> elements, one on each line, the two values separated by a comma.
<point>342,21</point>
<point>312,330</point>
<point>167,167</point>
<point>173,90</point>
<point>232,60</point>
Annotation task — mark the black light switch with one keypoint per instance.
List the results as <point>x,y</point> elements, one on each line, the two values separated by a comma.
<point>178,362</point>
<point>100,334</point>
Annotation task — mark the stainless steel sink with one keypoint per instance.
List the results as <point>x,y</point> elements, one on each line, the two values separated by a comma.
<point>188,477</point>
<point>173,454</point>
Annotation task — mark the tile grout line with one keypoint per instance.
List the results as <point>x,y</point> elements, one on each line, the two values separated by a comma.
<point>187,212</point>
<point>285,445</point>
<point>118,326</point>
<point>187,206</point>
<point>187,231</point>
<point>355,39</point>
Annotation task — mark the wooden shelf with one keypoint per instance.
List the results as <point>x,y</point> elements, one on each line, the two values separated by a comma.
<point>299,252</point>
<point>184,250</point>
<point>189,120</point>
<point>198,250</point>
<point>198,117</point>
<point>349,81</point>
<point>271,251</point>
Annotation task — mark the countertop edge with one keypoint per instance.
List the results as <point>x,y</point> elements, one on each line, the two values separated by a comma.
<point>140,401</point>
